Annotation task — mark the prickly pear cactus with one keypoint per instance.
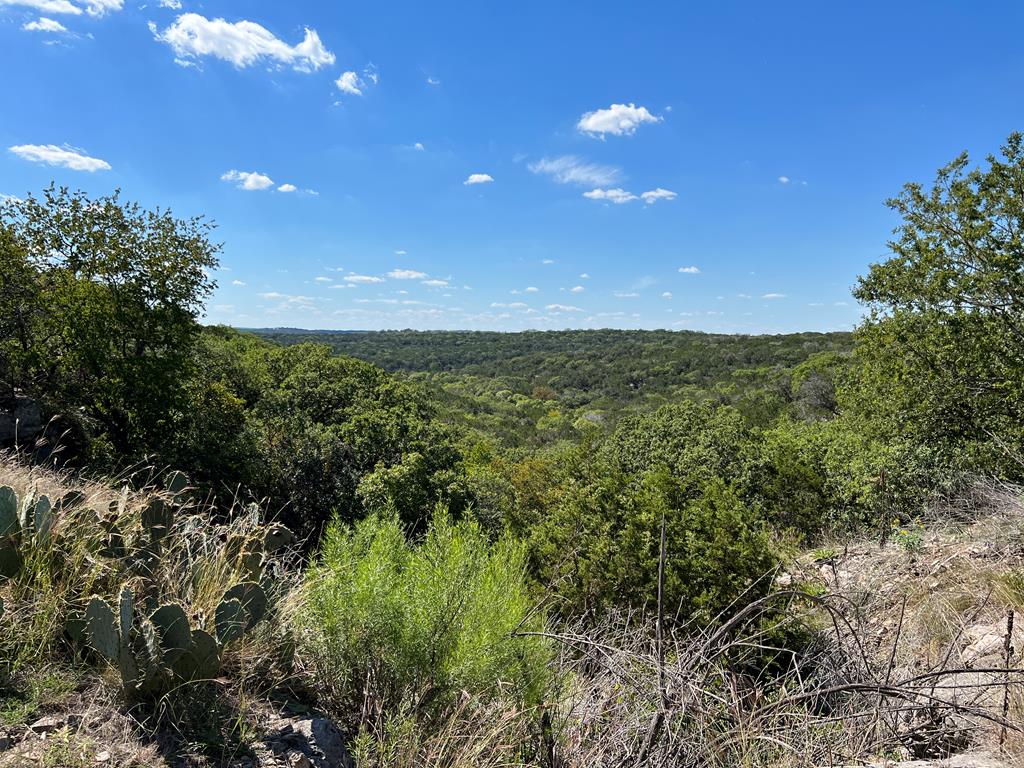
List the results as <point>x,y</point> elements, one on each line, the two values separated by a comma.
<point>174,631</point>
<point>126,613</point>
<point>112,542</point>
<point>202,659</point>
<point>9,523</point>
<point>253,600</point>
<point>230,620</point>
<point>69,500</point>
<point>157,518</point>
<point>101,629</point>
<point>42,518</point>
<point>277,537</point>
<point>176,484</point>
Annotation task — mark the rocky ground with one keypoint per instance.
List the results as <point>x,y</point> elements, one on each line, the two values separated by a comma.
<point>105,737</point>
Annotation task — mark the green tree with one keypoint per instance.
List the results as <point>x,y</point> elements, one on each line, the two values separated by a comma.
<point>103,316</point>
<point>941,356</point>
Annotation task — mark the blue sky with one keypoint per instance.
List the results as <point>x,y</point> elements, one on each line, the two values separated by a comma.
<point>334,143</point>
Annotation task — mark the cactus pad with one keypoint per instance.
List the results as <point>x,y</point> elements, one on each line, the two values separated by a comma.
<point>277,537</point>
<point>101,629</point>
<point>231,620</point>
<point>42,517</point>
<point>8,511</point>
<point>157,518</point>
<point>172,626</point>
<point>253,600</point>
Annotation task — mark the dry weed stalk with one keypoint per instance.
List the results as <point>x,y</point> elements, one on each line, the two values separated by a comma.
<point>736,695</point>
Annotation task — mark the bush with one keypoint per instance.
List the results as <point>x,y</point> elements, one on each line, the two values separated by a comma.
<point>392,624</point>
<point>598,542</point>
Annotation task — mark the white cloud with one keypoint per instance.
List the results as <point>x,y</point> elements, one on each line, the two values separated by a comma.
<point>251,181</point>
<point>562,308</point>
<point>92,7</point>
<point>774,296</point>
<point>364,279</point>
<point>355,84</point>
<point>689,270</point>
<point>400,253</point>
<point>418,146</point>
<point>616,195</point>
<point>433,81</point>
<point>174,5</point>
<point>322,279</point>
<point>584,276</point>
<point>841,304</point>
<point>242,43</point>
<point>237,282</point>
<point>349,83</point>
<point>435,283</point>
<point>618,120</point>
<point>63,157</point>
<point>478,178</point>
<point>784,179</point>
<point>667,295</point>
<point>547,261</point>
<point>626,294</point>
<point>577,289</point>
<point>406,274</point>
<point>46,6</point>
<point>102,7</point>
<point>569,169</point>
<point>287,188</point>
<point>655,195</point>
<point>532,289</point>
<point>44,25</point>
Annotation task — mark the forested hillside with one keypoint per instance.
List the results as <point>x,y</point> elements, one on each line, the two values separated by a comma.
<point>543,549</point>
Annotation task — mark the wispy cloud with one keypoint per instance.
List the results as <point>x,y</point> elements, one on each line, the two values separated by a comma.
<point>570,169</point>
<point>562,308</point>
<point>91,7</point>
<point>617,120</point>
<point>44,24</point>
<point>62,157</point>
<point>773,296</point>
<point>407,274</point>
<point>364,279</point>
<point>689,270</point>
<point>478,178</point>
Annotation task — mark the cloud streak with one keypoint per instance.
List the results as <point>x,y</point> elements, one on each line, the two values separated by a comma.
<point>61,157</point>
<point>569,169</point>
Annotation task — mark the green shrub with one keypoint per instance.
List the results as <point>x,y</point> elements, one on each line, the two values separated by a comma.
<point>598,544</point>
<point>391,624</point>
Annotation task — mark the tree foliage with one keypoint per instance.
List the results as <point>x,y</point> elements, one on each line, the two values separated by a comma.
<point>100,301</point>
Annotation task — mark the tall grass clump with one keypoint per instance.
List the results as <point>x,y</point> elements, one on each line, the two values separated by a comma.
<point>421,628</point>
